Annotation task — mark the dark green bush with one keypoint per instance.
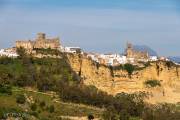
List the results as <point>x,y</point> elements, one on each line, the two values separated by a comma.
<point>124,115</point>
<point>20,99</point>
<point>48,51</point>
<point>170,64</point>
<point>161,112</point>
<point>21,52</point>
<point>6,60</point>
<point>42,104</point>
<point>129,68</point>
<point>90,117</point>
<point>110,114</point>
<point>2,113</point>
<point>6,89</point>
<point>34,113</point>
<point>34,107</point>
<point>51,109</point>
<point>152,83</point>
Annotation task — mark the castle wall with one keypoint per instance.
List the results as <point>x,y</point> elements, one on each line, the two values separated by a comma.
<point>25,44</point>
<point>40,42</point>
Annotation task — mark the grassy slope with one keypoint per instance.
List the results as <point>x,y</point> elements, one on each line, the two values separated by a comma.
<point>61,108</point>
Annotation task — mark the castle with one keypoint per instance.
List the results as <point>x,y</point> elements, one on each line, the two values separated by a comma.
<point>137,55</point>
<point>40,42</point>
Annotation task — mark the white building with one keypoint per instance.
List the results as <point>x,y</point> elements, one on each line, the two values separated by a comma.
<point>164,58</point>
<point>71,49</point>
<point>8,53</point>
<point>131,60</point>
<point>123,60</point>
<point>109,59</point>
<point>115,59</point>
<point>93,56</point>
<point>153,58</point>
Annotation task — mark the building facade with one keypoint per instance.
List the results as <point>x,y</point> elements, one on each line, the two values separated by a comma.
<point>40,42</point>
<point>137,55</point>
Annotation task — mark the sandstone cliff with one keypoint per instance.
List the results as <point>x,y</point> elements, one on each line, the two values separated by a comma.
<point>116,81</point>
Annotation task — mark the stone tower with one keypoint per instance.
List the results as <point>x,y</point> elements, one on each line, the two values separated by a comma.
<point>40,42</point>
<point>129,50</point>
<point>132,53</point>
<point>41,36</point>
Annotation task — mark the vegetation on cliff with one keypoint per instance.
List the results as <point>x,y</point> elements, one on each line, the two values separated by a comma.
<point>43,74</point>
<point>127,67</point>
<point>47,51</point>
<point>152,83</point>
<point>131,68</point>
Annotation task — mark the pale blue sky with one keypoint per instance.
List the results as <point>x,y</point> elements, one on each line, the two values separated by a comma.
<point>94,25</point>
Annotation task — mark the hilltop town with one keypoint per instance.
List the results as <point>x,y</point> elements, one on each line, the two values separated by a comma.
<point>43,77</point>
<point>111,59</point>
<point>90,60</point>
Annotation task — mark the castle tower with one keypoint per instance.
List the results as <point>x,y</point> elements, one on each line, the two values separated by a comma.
<point>41,42</point>
<point>129,46</point>
<point>41,36</point>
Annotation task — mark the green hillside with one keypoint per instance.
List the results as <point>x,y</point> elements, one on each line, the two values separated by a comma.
<point>37,106</point>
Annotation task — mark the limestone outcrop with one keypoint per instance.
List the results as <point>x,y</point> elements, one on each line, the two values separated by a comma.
<point>115,81</point>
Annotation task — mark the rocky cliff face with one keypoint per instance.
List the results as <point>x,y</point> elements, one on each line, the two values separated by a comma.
<point>116,81</point>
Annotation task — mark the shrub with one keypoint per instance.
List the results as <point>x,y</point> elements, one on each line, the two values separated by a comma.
<point>35,114</point>
<point>33,107</point>
<point>42,104</point>
<point>48,51</point>
<point>152,83</point>
<point>110,114</point>
<point>2,113</point>
<point>90,117</point>
<point>20,99</point>
<point>133,104</point>
<point>119,67</point>
<point>169,64</point>
<point>6,60</point>
<point>6,89</point>
<point>51,108</point>
<point>124,115</point>
<point>129,68</point>
<point>161,112</point>
<point>21,52</point>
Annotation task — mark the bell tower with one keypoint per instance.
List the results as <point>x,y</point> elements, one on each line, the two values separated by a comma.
<point>129,50</point>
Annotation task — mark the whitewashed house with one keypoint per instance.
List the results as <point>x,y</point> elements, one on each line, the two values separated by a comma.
<point>8,53</point>
<point>153,58</point>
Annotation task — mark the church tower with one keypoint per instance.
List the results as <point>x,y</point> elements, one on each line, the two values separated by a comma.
<point>129,50</point>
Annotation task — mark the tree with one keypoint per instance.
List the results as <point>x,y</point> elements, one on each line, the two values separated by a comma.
<point>21,52</point>
<point>129,68</point>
